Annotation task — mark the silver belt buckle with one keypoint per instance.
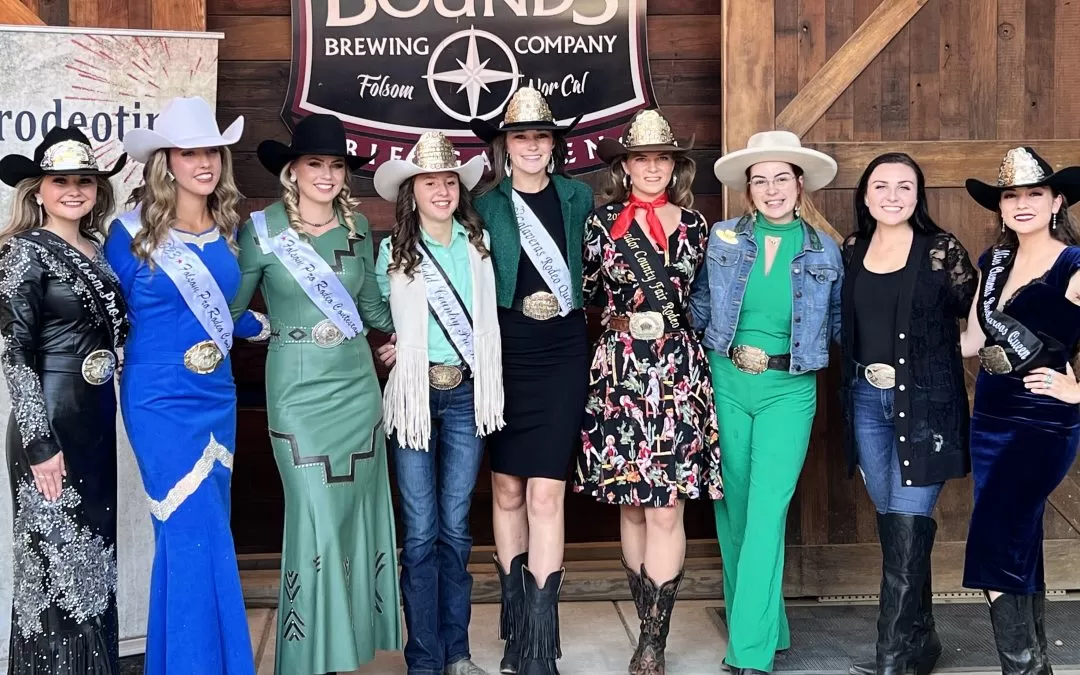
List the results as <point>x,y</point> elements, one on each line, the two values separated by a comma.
<point>994,360</point>
<point>203,357</point>
<point>326,334</point>
<point>646,325</point>
<point>444,377</point>
<point>880,375</point>
<point>98,366</point>
<point>540,306</point>
<point>750,360</point>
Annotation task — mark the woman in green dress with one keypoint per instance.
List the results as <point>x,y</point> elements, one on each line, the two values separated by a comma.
<point>311,257</point>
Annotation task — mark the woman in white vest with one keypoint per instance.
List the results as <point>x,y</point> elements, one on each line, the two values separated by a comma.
<point>174,256</point>
<point>311,257</point>
<point>445,392</point>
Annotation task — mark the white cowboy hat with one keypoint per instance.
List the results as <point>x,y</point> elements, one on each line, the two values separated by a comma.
<point>184,122</point>
<point>433,153</point>
<point>775,146</point>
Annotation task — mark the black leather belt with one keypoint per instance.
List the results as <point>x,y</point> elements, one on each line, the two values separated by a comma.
<point>61,363</point>
<point>97,367</point>
<point>755,361</point>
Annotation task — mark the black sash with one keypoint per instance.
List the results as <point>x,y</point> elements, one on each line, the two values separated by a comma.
<point>1022,347</point>
<point>650,272</point>
<point>107,295</point>
<point>435,314</point>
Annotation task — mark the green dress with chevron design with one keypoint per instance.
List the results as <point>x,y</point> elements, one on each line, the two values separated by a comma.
<point>339,586</point>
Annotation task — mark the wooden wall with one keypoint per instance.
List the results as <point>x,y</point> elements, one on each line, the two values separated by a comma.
<point>151,14</point>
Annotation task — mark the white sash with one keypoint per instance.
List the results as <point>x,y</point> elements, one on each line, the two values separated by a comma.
<point>194,281</point>
<point>544,254</point>
<point>447,306</point>
<point>313,274</point>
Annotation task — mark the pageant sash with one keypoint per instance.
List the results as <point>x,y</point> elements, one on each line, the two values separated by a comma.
<point>1021,346</point>
<point>107,295</point>
<point>544,254</point>
<point>446,306</point>
<point>313,274</point>
<point>650,272</point>
<point>194,282</point>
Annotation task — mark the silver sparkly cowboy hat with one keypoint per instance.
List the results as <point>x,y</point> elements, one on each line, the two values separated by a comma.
<point>63,152</point>
<point>185,122</point>
<point>775,146</point>
<point>1023,167</point>
<point>433,153</point>
<point>527,110</point>
<point>648,131</point>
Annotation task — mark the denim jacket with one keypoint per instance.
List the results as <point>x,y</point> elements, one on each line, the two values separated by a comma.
<point>817,273</point>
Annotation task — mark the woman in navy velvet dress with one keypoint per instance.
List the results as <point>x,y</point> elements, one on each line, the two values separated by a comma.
<point>1025,327</point>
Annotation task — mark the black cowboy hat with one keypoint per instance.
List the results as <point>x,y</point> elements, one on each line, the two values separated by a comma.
<point>63,152</point>
<point>1023,167</point>
<point>525,111</point>
<point>314,135</point>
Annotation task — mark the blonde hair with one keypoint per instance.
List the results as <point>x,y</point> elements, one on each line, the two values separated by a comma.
<point>26,214</point>
<point>682,194</point>
<point>344,204</point>
<point>157,195</point>
<point>805,206</point>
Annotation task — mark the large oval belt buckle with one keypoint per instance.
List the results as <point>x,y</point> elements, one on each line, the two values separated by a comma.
<point>540,306</point>
<point>646,325</point>
<point>203,357</point>
<point>326,334</point>
<point>994,360</point>
<point>750,360</point>
<point>98,366</point>
<point>880,375</point>
<point>444,377</point>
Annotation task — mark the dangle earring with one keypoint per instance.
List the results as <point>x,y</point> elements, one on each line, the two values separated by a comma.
<point>1003,226</point>
<point>1053,222</point>
<point>551,164</point>
<point>41,210</point>
<point>507,166</point>
<point>674,180</point>
<point>797,214</point>
<point>292,177</point>
<point>626,181</point>
<point>169,175</point>
<point>413,204</point>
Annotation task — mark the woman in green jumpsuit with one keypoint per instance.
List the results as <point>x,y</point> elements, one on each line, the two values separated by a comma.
<point>768,320</point>
<point>311,256</point>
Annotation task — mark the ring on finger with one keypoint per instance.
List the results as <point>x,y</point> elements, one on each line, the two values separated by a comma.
<point>1049,380</point>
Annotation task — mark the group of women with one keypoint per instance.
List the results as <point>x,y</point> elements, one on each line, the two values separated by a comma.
<point>702,385</point>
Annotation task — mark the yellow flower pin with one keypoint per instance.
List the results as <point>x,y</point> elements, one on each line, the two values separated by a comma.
<point>727,236</point>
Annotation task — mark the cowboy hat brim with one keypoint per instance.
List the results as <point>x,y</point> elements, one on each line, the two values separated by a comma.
<point>1065,182</point>
<point>142,143</point>
<point>274,155</point>
<point>610,149</point>
<point>818,168</point>
<point>488,132</point>
<point>15,168</point>
<point>391,174</point>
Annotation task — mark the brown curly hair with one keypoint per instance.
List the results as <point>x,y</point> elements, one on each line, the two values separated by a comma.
<point>406,232</point>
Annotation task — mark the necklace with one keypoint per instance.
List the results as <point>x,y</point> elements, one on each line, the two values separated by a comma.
<point>333,217</point>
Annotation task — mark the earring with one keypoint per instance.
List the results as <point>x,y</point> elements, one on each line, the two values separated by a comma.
<point>796,210</point>
<point>169,175</point>
<point>37,198</point>
<point>414,205</point>
<point>1053,222</point>
<point>551,164</point>
<point>292,177</point>
<point>41,214</point>
<point>1003,226</point>
<point>508,167</point>
<point>626,181</point>
<point>674,180</point>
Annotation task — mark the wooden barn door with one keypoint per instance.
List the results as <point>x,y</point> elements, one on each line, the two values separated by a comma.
<point>954,84</point>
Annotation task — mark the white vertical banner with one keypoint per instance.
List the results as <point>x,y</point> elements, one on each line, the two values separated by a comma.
<point>107,82</point>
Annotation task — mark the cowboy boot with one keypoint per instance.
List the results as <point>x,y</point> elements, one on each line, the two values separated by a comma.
<point>643,591</point>
<point>1039,611</point>
<point>657,625</point>
<point>540,645</point>
<point>925,644</point>
<point>512,596</point>
<point>906,543</point>
<point>1013,619</point>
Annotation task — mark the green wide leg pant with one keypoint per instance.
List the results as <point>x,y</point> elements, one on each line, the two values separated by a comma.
<point>765,425</point>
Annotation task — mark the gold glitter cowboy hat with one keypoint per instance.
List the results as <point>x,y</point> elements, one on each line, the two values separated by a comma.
<point>318,134</point>
<point>526,111</point>
<point>648,131</point>
<point>775,146</point>
<point>63,152</point>
<point>433,153</point>
<point>1023,167</point>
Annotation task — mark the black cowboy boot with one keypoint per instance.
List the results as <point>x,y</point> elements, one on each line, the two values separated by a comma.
<point>657,624</point>
<point>1013,618</point>
<point>925,644</point>
<point>510,615</point>
<point>643,591</point>
<point>540,645</point>
<point>1039,612</point>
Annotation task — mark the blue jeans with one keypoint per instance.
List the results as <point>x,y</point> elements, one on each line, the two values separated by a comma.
<point>875,438</point>
<point>436,493</point>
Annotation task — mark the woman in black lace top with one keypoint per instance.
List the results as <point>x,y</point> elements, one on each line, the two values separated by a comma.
<point>906,285</point>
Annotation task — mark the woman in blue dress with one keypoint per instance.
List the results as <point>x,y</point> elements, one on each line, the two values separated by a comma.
<point>174,256</point>
<point>1025,327</point>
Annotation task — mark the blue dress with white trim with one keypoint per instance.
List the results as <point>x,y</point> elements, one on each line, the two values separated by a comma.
<point>182,428</point>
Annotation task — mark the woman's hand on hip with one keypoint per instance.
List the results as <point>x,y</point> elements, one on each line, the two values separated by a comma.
<point>1051,383</point>
<point>49,476</point>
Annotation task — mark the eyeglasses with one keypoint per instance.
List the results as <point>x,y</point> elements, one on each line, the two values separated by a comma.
<point>779,182</point>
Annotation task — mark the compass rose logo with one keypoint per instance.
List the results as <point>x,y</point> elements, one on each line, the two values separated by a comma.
<point>473,74</point>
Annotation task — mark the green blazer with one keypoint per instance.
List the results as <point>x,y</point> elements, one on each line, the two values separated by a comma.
<point>497,209</point>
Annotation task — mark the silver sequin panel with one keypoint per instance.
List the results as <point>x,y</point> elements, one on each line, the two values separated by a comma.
<point>71,567</point>
<point>27,400</point>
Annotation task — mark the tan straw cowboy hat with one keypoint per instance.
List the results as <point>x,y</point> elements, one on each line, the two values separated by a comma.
<point>775,146</point>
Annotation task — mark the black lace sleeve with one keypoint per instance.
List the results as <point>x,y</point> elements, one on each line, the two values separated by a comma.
<point>947,253</point>
<point>847,249</point>
<point>22,292</point>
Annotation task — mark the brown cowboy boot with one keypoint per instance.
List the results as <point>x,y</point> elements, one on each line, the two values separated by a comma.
<point>643,591</point>
<point>658,624</point>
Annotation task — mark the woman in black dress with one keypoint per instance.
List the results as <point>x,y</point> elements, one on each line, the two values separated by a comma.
<point>62,318</point>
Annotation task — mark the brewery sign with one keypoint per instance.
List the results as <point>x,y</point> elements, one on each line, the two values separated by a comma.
<point>393,69</point>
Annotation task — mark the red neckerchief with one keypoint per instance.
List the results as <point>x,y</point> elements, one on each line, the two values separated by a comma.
<point>656,228</point>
